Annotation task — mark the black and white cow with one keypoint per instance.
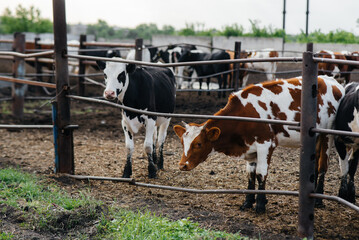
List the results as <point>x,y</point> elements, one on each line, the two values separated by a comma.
<point>149,54</point>
<point>172,55</point>
<point>146,88</point>
<point>347,119</point>
<point>205,70</point>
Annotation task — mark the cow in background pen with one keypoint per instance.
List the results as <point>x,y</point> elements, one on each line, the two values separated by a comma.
<point>209,69</point>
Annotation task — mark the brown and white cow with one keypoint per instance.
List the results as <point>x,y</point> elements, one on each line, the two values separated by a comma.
<point>269,67</point>
<point>255,142</point>
<point>338,71</point>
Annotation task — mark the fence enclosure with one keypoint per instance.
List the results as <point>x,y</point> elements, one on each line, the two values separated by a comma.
<point>63,137</point>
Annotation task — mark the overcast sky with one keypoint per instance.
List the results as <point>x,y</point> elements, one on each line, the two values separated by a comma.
<point>326,15</point>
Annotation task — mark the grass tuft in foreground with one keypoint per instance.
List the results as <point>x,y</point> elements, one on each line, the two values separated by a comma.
<point>36,204</point>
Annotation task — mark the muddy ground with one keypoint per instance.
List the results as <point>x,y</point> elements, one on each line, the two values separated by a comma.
<point>100,151</point>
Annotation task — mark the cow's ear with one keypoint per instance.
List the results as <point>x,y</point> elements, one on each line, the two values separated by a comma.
<point>101,64</point>
<point>213,133</point>
<point>130,68</point>
<point>179,130</point>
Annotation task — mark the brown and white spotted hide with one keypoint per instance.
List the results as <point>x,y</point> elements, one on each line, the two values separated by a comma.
<point>341,72</point>
<point>255,142</point>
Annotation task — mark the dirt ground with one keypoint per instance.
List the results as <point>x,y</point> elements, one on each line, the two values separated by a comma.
<point>100,151</point>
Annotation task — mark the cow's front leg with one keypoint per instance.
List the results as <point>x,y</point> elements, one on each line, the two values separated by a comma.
<point>148,145</point>
<point>261,200</point>
<point>264,154</point>
<point>208,81</point>
<point>127,172</point>
<point>250,198</point>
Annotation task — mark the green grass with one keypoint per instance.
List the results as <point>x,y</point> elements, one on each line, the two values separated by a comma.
<point>45,207</point>
<point>129,225</point>
<point>6,236</point>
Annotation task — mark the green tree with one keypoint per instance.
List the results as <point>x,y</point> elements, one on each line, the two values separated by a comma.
<point>24,20</point>
<point>101,29</point>
<point>232,31</point>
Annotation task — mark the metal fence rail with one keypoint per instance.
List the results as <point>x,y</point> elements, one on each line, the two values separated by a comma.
<point>132,181</point>
<point>193,116</point>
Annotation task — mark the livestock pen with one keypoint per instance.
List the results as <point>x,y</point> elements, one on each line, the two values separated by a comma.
<point>306,210</point>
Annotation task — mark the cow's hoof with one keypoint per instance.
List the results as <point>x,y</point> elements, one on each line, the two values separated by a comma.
<point>152,171</point>
<point>127,172</point>
<point>125,175</point>
<point>260,209</point>
<point>160,166</point>
<point>246,205</point>
<point>152,175</point>
<point>351,192</point>
<point>319,203</point>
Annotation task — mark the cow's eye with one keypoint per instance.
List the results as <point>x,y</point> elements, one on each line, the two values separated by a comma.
<point>121,77</point>
<point>198,145</point>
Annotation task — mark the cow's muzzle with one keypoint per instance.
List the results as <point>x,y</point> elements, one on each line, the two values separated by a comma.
<point>109,95</point>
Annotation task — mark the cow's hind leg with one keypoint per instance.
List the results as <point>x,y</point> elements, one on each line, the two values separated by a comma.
<point>220,85</point>
<point>162,133</point>
<point>323,149</point>
<point>250,198</point>
<point>148,145</point>
<point>154,154</point>
<point>344,167</point>
<point>127,172</point>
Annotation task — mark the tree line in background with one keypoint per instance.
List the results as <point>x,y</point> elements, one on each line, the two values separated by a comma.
<point>30,20</point>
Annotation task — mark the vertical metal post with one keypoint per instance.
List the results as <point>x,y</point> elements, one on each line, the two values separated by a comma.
<point>82,68</point>
<point>237,54</point>
<point>307,19</point>
<point>64,138</point>
<point>55,132</point>
<point>18,90</point>
<point>38,64</point>
<point>139,46</point>
<point>307,153</point>
<point>283,38</point>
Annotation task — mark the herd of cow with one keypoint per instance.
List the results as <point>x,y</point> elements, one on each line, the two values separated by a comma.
<point>154,89</point>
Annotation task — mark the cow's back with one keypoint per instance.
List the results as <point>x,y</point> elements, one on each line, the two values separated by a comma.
<point>151,88</point>
<point>281,100</point>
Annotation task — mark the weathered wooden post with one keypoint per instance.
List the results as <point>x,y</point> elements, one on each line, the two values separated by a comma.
<point>65,162</point>
<point>38,64</point>
<point>139,48</point>
<point>307,153</point>
<point>18,89</point>
<point>237,81</point>
<point>82,67</point>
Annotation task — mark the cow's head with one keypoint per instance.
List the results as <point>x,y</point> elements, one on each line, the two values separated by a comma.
<point>197,143</point>
<point>188,53</point>
<point>116,78</point>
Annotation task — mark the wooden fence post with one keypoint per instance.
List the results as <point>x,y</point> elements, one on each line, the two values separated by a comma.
<point>64,135</point>
<point>82,68</point>
<point>18,90</point>
<point>139,46</point>
<point>237,82</point>
<point>38,66</point>
<point>307,153</point>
